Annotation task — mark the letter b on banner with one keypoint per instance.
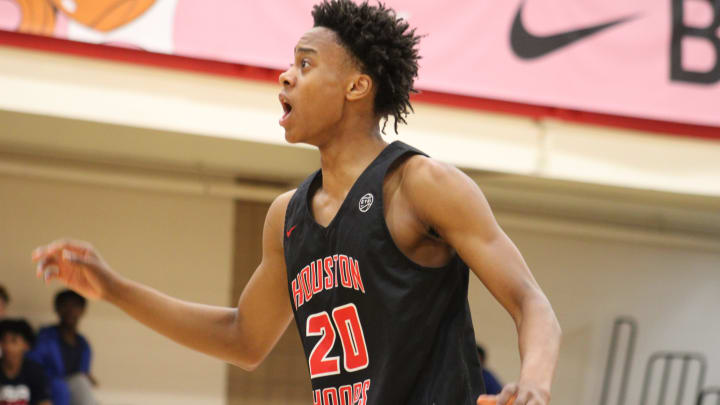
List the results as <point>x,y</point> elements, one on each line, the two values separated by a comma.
<point>680,31</point>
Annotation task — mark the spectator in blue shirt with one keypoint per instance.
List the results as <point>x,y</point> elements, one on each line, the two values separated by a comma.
<point>492,385</point>
<point>65,353</point>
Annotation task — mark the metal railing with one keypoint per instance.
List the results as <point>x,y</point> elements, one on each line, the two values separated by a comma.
<point>667,358</point>
<point>630,324</point>
<point>707,392</point>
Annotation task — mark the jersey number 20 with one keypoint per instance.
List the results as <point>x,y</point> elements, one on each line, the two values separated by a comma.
<point>347,323</point>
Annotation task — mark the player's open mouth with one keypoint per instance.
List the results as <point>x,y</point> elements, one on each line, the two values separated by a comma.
<point>287,108</point>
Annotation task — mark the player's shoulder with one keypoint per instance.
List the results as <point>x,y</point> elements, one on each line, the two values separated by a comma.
<point>278,209</point>
<point>279,205</point>
<point>275,219</point>
<point>284,199</point>
<point>422,174</point>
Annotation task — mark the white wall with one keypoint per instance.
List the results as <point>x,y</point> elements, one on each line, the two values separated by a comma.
<point>180,244</point>
<point>673,292</point>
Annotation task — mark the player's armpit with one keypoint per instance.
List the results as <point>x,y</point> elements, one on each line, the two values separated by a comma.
<point>449,201</point>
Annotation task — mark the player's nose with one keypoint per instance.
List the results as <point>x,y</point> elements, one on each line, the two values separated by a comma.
<point>287,78</point>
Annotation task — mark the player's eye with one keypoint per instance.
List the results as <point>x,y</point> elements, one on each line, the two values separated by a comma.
<point>304,63</point>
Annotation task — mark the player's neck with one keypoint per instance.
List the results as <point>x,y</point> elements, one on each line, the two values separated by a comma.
<point>11,366</point>
<point>345,157</point>
<point>68,333</point>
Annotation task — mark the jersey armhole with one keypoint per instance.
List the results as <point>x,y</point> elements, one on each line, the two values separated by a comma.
<point>395,165</point>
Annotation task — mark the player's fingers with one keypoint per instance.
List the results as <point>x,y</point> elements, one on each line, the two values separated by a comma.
<point>58,245</point>
<point>47,269</point>
<point>42,264</point>
<point>522,398</point>
<point>39,253</point>
<point>507,392</point>
<point>71,244</point>
<point>44,251</point>
<point>51,272</point>
<point>84,258</point>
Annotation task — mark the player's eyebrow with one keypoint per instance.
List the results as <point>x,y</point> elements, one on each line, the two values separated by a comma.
<point>305,50</point>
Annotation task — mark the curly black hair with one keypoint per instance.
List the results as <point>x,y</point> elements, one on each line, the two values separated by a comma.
<point>19,327</point>
<point>384,47</point>
<point>69,297</point>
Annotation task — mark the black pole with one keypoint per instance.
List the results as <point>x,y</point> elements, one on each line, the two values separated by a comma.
<point>612,352</point>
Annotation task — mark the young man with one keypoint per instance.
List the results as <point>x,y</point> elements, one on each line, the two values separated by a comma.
<point>22,382</point>
<point>64,353</point>
<point>371,249</point>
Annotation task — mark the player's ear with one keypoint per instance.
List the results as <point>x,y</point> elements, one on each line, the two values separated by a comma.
<point>360,87</point>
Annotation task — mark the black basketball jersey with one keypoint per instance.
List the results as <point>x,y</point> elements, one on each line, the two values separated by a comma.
<point>377,328</point>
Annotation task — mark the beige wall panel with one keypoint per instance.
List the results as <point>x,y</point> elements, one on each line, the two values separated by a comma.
<point>282,379</point>
<point>672,292</point>
<point>631,159</point>
<point>178,244</point>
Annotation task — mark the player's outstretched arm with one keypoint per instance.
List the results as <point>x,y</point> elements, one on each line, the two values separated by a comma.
<point>451,203</point>
<point>243,335</point>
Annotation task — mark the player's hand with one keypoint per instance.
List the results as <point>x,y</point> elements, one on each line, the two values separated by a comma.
<point>517,394</point>
<point>77,265</point>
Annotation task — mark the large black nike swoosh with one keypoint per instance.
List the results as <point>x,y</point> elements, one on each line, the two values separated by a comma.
<point>529,46</point>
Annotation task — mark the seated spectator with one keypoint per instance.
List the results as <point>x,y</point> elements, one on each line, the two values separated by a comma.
<point>492,385</point>
<point>22,381</point>
<point>65,354</point>
<point>4,301</point>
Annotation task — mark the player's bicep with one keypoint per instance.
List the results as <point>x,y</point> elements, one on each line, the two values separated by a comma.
<point>264,310</point>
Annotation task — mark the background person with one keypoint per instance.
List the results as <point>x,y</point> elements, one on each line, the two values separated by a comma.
<point>22,381</point>
<point>492,384</point>
<point>65,354</point>
<point>4,301</point>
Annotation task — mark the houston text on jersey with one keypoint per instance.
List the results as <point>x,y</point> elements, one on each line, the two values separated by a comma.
<point>325,274</point>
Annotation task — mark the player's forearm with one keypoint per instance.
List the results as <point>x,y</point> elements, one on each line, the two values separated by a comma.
<point>539,337</point>
<point>208,329</point>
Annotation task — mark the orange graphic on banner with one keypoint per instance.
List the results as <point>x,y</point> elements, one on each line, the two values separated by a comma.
<point>40,16</point>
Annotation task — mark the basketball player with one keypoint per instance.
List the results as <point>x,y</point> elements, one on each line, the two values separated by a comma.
<point>369,255</point>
